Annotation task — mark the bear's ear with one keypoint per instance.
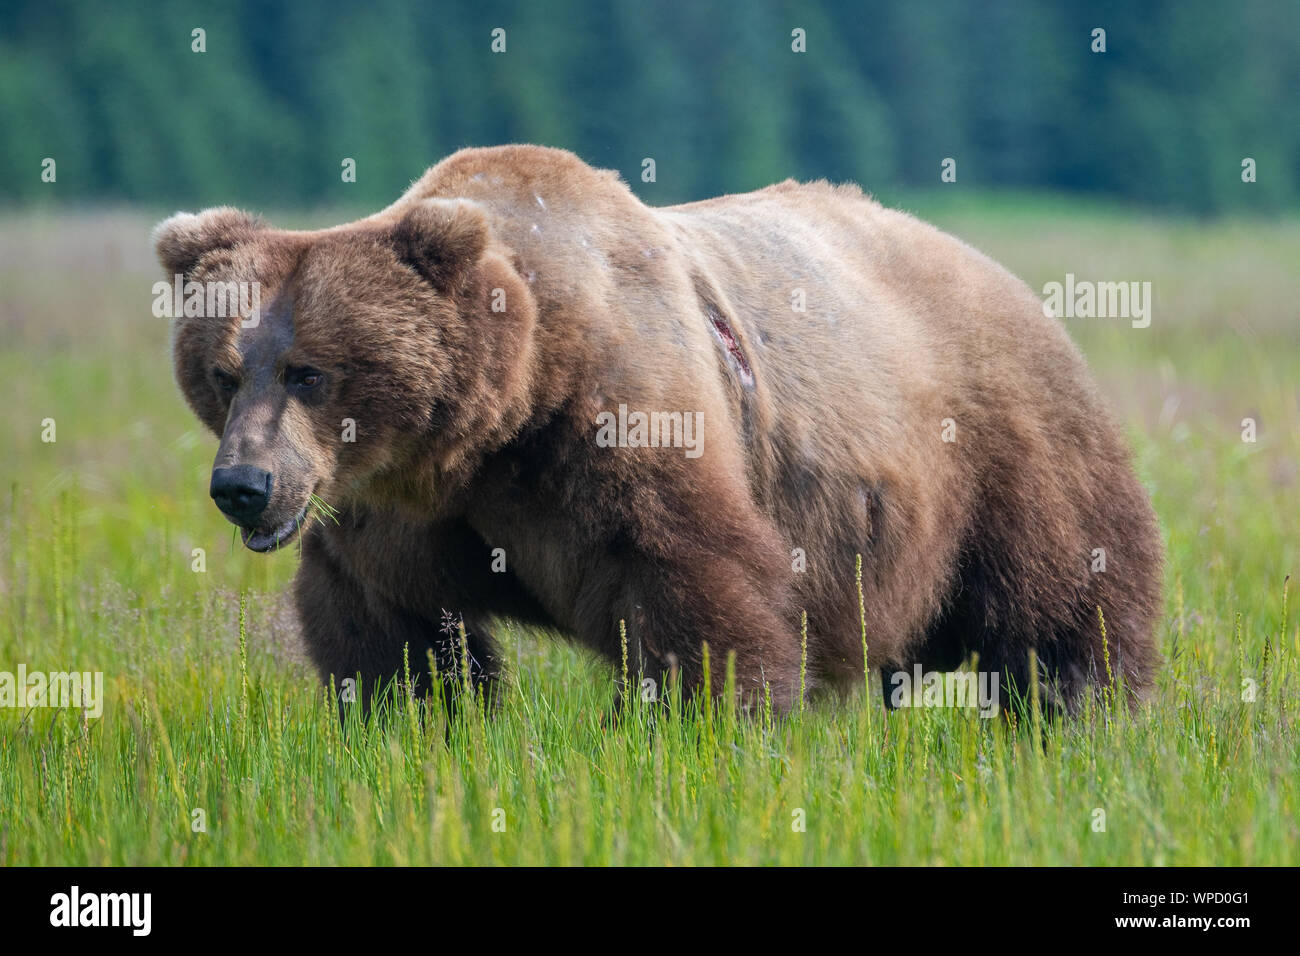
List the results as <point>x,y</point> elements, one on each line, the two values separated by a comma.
<point>442,239</point>
<point>185,238</point>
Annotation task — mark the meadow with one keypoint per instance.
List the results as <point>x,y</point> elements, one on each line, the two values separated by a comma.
<point>210,706</point>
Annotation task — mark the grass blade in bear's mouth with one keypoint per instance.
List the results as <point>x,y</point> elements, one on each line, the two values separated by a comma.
<point>263,541</point>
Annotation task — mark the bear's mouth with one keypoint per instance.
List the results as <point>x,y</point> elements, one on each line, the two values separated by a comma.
<point>264,541</point>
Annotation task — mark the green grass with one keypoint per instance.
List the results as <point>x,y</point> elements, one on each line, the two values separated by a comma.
<point>210,706</point>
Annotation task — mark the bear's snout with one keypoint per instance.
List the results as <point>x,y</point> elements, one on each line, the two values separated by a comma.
<point>241,492</point>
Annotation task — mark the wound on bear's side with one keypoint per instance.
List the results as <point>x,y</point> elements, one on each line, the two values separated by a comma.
<point>722,329</point>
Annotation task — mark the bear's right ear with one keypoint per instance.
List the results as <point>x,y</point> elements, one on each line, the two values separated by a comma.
<point>185,238</point>
<point>442,239</point>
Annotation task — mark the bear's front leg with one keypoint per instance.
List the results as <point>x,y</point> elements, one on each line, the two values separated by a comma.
<point>353,632</point>
<point>719,579</point>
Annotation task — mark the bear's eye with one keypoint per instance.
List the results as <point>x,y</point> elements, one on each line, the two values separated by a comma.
<point>225,381</point>
<point>304,378</point>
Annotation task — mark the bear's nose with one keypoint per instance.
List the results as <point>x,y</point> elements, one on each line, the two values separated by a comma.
<point>241,492</point>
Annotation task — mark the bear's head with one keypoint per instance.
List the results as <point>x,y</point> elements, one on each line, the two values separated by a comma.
<point>365,363</point>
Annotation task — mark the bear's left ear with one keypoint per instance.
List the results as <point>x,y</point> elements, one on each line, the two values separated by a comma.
<point>185,238</point>
<point>443,240</point>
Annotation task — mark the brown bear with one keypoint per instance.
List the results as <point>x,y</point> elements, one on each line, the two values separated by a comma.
<point>525,394</point>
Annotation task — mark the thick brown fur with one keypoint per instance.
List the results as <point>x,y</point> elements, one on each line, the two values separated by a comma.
<point>476,429</point>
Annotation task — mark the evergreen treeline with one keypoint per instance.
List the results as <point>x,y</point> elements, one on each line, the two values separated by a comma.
<point>712,91</point>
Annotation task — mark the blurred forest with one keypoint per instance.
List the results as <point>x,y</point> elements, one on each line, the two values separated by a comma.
<point>712,91</point>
